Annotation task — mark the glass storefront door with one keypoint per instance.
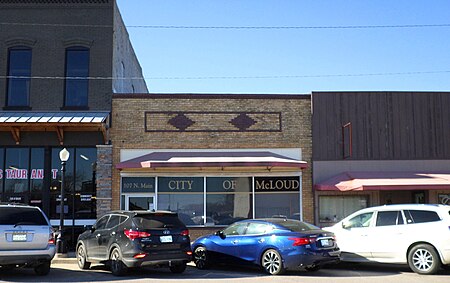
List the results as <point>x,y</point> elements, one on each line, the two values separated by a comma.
<point>139,202</point>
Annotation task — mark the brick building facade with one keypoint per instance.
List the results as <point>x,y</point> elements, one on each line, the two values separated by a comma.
<point>272,131</point>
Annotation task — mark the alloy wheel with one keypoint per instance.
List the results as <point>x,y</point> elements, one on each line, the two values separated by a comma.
<point>200,258</point>
<point>422,259</point>
<point>271,262</point>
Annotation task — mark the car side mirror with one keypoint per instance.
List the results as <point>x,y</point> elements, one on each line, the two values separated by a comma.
<point>221,234</point>
<point>345,225</point>
<point>89,227</point>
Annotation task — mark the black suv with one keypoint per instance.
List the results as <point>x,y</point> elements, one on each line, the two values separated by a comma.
<point>124,239</point>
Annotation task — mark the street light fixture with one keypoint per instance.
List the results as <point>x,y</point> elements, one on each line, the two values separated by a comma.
<point>61,248</point>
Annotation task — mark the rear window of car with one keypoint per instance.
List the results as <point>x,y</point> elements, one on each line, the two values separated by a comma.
<point>22,216</point>
<point>157,221</point>
<point>296,226</point>
<point>421,216</point>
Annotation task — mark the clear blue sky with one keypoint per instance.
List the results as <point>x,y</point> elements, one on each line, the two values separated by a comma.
<point>184,53</point>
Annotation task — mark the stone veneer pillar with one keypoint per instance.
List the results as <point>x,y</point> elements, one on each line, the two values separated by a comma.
<point>104,179</point>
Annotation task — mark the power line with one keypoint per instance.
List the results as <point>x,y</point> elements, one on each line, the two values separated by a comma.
<point>291,27</point>
<point>56,25</point>
<point>231,77</point>
<point>236,27</point>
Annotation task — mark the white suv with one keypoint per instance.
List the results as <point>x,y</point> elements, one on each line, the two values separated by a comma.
<point>416,234</point>
<point>26,238</point>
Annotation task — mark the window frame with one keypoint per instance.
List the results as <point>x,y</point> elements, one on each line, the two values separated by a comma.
<point>8,96</point>
<point>66,105</point>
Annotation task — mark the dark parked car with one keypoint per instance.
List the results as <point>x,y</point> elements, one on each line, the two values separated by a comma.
<point>124,239</point>
<point>275,244</point>
<point>26,238</point>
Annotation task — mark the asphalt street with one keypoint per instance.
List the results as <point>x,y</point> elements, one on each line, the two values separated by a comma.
<point>67,271</point>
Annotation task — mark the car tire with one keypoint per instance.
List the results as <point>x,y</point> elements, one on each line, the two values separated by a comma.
<point>82,258</point>
<point>271,262</point>
<point>116,264</point>
<point>43,268</point>
<point>178,268</point>
<point>423,259</point>
<point>201,258</point>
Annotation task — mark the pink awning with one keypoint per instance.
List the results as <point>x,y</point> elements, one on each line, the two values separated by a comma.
<point>363,181</point>
<point>211,159</point>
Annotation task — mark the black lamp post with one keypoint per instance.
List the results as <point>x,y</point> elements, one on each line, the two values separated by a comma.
<point>61,248</point>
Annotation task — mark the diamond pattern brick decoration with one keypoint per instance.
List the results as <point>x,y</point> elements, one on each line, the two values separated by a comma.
<point>243,122</point>
<point>181,122</point>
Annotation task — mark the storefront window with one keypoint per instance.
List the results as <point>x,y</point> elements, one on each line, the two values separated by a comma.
<point>2,162</point>
<point>85,188</point>
<point>184,195</point>
<point>277,196</point>
<point>79,200</point>
<point>335,208</point>
<point>16,174</point>
<point>443,198</point>
<point>55,195</point>
<point>36,176</point>
<point>228,199</point>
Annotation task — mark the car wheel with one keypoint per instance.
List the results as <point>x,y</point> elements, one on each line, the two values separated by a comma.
<point>43,268</point>
<point>81,258</point>
<point>178,268</point>
<point>271,262</point>
<point>118,268</point>
<point>201,259</point>
<point>423,259</point>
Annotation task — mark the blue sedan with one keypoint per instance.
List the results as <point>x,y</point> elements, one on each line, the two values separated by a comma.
<point>275,244</point>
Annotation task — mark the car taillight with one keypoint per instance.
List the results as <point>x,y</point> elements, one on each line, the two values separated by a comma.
<point>185,232</point>
<point>131,234</point>
<point>51,239</point>
<point>300,241</point>
<point>139,256</point>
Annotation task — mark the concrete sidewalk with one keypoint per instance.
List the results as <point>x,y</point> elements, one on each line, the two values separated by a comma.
<point>69,259</point>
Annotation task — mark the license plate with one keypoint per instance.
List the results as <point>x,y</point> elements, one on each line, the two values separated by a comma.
<point>326,243</point>
<point>166,239</point>
<point>19,237</point>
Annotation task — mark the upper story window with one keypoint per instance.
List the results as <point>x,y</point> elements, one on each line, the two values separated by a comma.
<point>19,77</point>
<point>77,71</point>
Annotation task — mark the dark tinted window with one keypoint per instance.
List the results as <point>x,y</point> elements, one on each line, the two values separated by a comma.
<point>296,226</point>
<point>19,72</point>
<point>101,223</point>
<point>155,221</point>
<point>114,220</point>
<point>386,218</point>
<point>21,216</point>
<point>421,216</point>
<point>77,71</point>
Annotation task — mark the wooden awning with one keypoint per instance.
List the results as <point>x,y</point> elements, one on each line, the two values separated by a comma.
<point>59,122</point>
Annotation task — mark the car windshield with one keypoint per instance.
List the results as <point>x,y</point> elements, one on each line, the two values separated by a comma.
<point>295,225</point>
<point>157,221</point>
<point>21,216</point>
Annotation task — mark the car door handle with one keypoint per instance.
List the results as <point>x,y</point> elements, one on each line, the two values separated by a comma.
<point>113,233</point>
<point>98,236</point>
<point>235,242</point>
<point>261,241</point>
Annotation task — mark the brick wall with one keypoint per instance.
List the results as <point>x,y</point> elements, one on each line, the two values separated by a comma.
<point>135,126</point>
<point>104,179</point>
